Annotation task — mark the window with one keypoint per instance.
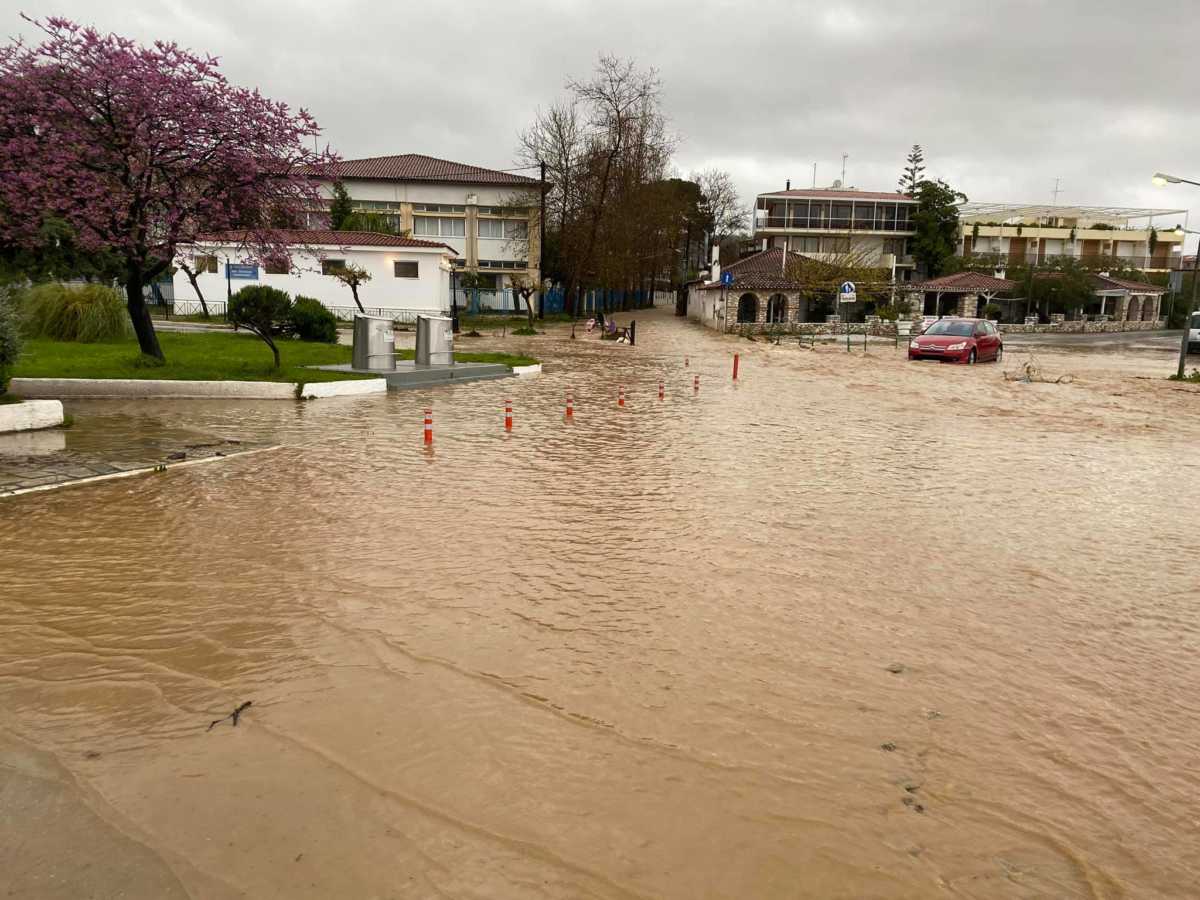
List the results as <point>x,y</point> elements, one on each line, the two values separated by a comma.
<point>516,229</point>
<point>204,264</point>
<point>835,245</point>
<point>434,207</point>
<point>806,244</point>
<point>329,266</point>
<point>894,246</point>
<point>433,226</point>
<point>402,269</point>
<point>491,228</point>
<point>502,264</point>
<point>277,266</point>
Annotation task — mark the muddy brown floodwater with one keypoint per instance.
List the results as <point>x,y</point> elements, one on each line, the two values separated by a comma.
<point>850,628</point>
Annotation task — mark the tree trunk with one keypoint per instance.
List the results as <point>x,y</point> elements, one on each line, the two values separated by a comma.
<point>274,349</point>
<point>191,276</point>
<point>528,298</point>
<point>140,316</point>
<point>354,291</point>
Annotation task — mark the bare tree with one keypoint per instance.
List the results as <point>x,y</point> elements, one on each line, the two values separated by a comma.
<point>726,213</point>
<point>353,276</point>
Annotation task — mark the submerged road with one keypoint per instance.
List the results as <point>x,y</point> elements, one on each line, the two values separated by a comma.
<point>849,628</point>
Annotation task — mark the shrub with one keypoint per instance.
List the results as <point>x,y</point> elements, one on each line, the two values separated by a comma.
<point>310,320</point>
<point>10,340</point>
<point>992,311</point>
<point>262,310</point>
<point>85,313</point>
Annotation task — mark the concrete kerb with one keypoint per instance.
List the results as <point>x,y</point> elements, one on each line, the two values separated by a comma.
<point>535,369</point>
<point>137,388</point>
<point>30,415</point>
<point>160,467</point>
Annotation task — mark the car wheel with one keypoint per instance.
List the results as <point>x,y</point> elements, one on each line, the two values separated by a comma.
<point>971,357</point>
<point>999,353</point>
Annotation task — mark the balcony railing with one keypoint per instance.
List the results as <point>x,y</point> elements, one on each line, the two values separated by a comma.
<point>801,223</point>
<point>1091,261</point>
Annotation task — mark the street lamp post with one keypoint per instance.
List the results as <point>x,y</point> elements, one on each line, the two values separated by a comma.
<point>453,300</point>
<point>1160,179</point>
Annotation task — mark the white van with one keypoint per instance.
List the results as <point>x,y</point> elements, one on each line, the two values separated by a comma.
<point>1194,334</point>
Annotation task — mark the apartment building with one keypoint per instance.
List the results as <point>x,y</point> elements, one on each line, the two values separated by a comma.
<point>488,217</point>
<point>825,223</point>
<point>1018,234</point>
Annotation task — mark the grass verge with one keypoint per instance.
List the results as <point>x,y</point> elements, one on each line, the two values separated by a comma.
<point>197,356</point>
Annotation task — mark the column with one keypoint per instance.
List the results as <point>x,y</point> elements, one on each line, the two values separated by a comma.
<point>472,232</point>
<point>968,306</point>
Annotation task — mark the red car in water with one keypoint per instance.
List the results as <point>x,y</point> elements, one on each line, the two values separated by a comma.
<point>958,340</point>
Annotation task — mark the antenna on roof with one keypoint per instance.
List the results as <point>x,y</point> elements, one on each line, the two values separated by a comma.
<point>845,156</point>
<point>789,185</point>
<point>1057,190</point>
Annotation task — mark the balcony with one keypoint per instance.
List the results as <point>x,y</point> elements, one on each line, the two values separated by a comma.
<point>1092,261</point>
<point>800,223</point>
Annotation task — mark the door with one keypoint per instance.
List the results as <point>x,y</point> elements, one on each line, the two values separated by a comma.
<point>983,343</point>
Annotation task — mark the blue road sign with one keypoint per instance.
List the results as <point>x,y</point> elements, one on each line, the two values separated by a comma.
<point>726,278</point>
<point>244,271</point>
<point>847,293</point>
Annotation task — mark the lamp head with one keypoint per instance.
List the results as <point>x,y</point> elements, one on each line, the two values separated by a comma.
<point>1160,178</point>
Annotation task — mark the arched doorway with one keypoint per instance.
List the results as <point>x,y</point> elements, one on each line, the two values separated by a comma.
<point>777,309</point>
<point>747,309</point>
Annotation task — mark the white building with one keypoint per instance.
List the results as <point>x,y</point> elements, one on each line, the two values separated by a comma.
<point>409,276</point>
<point>489,217</point>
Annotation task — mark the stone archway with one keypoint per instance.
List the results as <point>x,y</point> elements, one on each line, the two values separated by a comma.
<point>777,309</point>
<point>747,309</point>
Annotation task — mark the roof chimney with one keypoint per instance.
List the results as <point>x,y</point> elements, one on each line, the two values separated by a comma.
<point>789,185</point>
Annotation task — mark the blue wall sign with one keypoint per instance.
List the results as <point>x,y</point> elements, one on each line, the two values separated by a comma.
<point>245,271</point>
<point>726,278</point>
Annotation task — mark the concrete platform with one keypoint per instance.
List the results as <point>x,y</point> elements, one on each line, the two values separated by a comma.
<point>409,375</point>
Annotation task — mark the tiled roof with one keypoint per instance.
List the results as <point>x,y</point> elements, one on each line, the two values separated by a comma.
<point>325,237</point>
<point>418,167</point>
<point>834,194</point>
<point>1107,283</point>
<point>963,283</point>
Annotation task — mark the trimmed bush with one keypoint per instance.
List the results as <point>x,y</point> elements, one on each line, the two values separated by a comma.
<point>84,313</point>
<point>262,310</point>
<point>310,320</point>
<point>10,339</point>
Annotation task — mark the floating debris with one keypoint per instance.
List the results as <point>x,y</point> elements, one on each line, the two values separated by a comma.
<point>235,715</point>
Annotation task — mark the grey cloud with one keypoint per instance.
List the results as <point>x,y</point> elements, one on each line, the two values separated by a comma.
<point>1004,96</point>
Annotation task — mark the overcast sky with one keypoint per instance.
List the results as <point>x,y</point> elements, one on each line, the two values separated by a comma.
<point>1005,97</point>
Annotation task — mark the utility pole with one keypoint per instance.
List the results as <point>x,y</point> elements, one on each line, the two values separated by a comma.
<point>542,246</point>
<point>1056,190</point>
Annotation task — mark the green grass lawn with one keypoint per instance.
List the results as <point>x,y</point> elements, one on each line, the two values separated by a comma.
<point>200,356</point>
<point>205,356</point>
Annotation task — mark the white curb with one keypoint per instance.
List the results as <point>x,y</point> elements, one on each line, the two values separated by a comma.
<point>30,415</point>
<point>319,389</point>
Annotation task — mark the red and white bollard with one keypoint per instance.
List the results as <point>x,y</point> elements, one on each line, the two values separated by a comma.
<point>685,362</point>
<point>696,383</point>
<point>735,366</point>
<point>621,395</point>
<point>429,426</point>
<point>570,405</point>
<point>508,415</point>
<point>661,390</point>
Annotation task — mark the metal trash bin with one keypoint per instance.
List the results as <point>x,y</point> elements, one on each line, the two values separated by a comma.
<point>374,344</point>
<point>435,341</point>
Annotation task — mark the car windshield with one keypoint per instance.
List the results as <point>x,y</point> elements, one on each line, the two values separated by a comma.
<point>1196,320</point>
<point>957,328</point>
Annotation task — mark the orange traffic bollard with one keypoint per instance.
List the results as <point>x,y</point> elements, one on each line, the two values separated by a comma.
<point>685,362</point>
<point>429,426</point>
<point>508,415</point>
<point>661,390</point>
<point>621,395</point>
<point>696,383</point>
<point>735,366</point>
<point>570,405</point>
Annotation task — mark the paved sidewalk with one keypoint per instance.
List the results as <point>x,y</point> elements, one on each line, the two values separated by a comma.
<point>38,460</point>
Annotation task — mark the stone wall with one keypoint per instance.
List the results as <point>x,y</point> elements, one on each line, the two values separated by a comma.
<point>1083,327</point>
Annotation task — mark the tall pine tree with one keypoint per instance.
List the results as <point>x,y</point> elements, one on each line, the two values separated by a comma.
<point>341,208</point>
<point>913,172</point>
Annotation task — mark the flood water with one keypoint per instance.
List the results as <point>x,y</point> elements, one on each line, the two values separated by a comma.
<point>645,654</point>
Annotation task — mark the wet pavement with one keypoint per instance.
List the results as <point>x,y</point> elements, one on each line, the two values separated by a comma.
<point>103,447</point>
<point>852,627</point>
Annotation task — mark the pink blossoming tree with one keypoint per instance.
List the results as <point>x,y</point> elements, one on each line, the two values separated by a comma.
<point>142,149</point>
